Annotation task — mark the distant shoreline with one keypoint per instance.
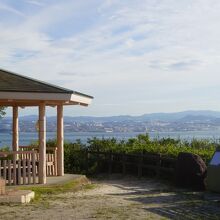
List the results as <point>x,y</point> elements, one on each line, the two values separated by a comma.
<point>25,138</point>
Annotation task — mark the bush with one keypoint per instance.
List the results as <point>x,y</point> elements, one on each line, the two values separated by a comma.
<point>75,153</point>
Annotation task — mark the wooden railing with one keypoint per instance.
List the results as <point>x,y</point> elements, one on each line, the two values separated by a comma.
<point>51,158</point>
<point>141,164</point>
<point>17,169</point>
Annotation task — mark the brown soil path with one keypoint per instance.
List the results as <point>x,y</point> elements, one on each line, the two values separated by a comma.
<point>117,199</point>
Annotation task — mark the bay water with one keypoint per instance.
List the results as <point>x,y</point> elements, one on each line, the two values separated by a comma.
<point>27,138</point>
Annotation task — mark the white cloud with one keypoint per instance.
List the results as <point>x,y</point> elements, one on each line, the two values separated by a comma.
<point>140,51</point>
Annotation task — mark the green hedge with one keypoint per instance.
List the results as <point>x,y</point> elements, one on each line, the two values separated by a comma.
<point>75,160</point>
<point>166,146</point>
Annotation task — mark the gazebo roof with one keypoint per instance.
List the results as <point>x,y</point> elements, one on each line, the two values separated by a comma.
<point>18,88</point>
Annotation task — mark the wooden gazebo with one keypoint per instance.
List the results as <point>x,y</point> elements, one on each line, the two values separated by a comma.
<point>30,166</point>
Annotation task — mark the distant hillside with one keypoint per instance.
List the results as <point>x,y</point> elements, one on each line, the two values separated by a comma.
<point>180,115</point>
<point>179,121</point>
<point>166,117</point>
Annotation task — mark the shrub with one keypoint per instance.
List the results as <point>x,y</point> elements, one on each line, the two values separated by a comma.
<point>75,160</point>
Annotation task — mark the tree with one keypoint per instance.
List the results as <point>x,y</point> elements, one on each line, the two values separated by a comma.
<point>2,112</point>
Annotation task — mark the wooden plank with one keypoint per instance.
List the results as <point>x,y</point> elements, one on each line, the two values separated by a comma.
<point>47,170</point>
<point>19,172</point>
<point>51,159</point>
<point>98,160</point>
<point>55,161</point>
<point>15,152</point>
<point>87,161</point>
<point>15,135</point>
<point>49,164</point>
<point>140,163</point>
<point>22,101</point>
<point>110,163</point>
<point>124,164</point>
<point>33,167</point>
<point>42,144</point>
<point>158,166</point>
<point>9,172</point>
<point>151,167</point>
<point>0,168</point>
<point>24,171</point>
<point>14,171</point>
<point>4,169</point>
<point>60,141</point>
<point>53,168</point>
<point>168,170</point>
<point>29,171</point>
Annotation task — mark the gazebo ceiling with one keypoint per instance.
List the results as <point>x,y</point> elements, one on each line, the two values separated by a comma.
<point>20,90</point>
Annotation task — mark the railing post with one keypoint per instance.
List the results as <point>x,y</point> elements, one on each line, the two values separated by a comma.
<point>9,172</point>
<point>110,163</point>
<point>87,161</point>
<point>42,144</point>
<point>158,165</point>
<point>55,161</point>
<point>4,169</point>
<point>24,174</point>
<point>15,136</point>
<point>140,163</point>
<point>14,170</point>
<point>0,169</point>
<point>98,161</point>
<point>124,163</point>
<point>60,136</point>
<point>19,172</point>
<point>33,167</point>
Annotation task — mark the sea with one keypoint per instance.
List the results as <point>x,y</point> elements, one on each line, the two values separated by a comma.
<point>27,138</point>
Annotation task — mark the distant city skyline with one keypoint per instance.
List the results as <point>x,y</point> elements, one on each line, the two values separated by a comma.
<point>134,57</point>
<point>159,122</point>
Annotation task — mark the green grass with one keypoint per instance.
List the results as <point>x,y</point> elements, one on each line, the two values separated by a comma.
<point>45,192</point>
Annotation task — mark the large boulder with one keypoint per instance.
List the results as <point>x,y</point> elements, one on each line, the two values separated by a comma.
<point>190,171</point>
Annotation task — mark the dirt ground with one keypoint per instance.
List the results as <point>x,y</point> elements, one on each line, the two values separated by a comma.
<point>126,198</point>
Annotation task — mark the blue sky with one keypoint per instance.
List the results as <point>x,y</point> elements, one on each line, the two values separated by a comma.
<point>134,57</point>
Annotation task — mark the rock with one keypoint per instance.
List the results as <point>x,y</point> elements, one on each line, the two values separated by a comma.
<point>190,171</point>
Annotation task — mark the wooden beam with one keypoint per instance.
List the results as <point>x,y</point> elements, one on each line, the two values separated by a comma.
<point>15,136</point>
<point>60,137</point>
<point>42,144</point>
<point>32,103</point>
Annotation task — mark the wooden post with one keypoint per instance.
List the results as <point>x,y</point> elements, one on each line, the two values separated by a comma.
<point>60,150</point>
<point>15,144</point>
<point>42,144</point>
<point>158,166</point>
<point>98,161</point>
<point>140,164</point>
<point>14,172</point>
<point>124,163</point>
<point>33,167</point>
<point>87,161</point>
<point>110,163</point>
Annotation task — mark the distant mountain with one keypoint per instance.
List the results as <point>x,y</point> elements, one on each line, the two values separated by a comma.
<point>166,117</point>
<point>179,115</point>
<point>159,122</point>
<point>197,118</point>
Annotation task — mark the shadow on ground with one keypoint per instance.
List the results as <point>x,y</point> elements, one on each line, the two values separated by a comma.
<point>168,202</point>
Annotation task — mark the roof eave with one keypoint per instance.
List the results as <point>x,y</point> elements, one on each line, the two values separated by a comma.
<point>37,97</point>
